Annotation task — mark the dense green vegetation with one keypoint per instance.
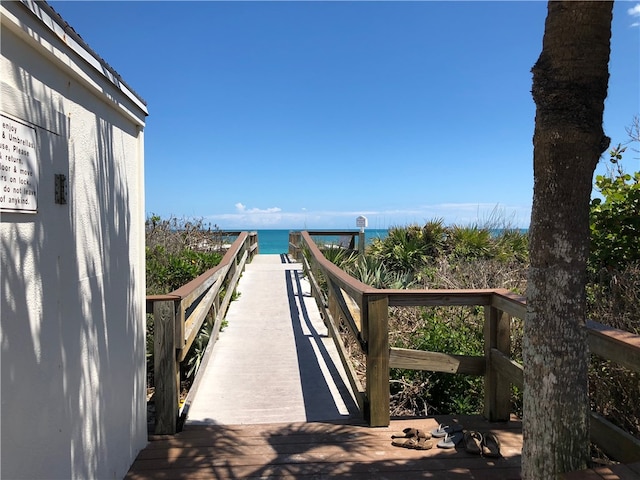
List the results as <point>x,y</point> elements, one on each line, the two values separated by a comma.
<point>177,251</point>
<point>613,292</point>
<point>615,218</point>
<point>494,255</point>
<point>173,256</point>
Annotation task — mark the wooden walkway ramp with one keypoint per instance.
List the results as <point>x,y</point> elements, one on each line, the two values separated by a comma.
<point>272,401</point>
<point>274,361</point>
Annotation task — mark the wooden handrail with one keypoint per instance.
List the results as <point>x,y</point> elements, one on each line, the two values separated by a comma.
<point>179,315</point>
<point>361,308</point>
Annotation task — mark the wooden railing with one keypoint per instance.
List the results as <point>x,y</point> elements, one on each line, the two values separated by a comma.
<point>348,238</point>
<point>179,315</point>
<point>364,311</point>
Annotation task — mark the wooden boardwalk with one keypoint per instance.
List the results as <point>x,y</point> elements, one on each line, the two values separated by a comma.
<point>272,401</point>
<point>274,362</point>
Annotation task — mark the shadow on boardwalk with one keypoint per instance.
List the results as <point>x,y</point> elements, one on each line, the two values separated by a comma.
<point>318,372</point>
<point>321,450</point>
<point>274,362</point>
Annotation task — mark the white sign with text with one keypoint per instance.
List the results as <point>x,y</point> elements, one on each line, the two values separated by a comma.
<point>19,169</point>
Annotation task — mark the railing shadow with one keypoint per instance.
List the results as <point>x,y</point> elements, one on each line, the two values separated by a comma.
<point>325,394</point>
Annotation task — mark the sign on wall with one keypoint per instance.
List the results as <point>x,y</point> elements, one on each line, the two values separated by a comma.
<point>19,169</point>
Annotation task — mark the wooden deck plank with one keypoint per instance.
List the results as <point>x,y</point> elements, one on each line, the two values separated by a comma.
<point>322,450</point>
<point>610,472</point>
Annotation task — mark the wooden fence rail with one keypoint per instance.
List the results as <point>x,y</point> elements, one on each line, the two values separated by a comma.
<point>179,315</point>
<point>364,311</point>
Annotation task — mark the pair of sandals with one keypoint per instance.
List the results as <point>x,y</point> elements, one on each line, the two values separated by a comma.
<point>412,438</point>
<point>486,444</point>
<point>419,439</point>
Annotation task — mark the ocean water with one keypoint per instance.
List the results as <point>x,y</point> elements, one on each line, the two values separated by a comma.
<point>277,241</point>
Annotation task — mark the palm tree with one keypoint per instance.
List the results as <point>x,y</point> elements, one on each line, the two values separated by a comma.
<point>569,88</point>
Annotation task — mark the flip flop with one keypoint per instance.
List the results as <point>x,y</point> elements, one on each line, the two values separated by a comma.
<point>491,446</point>
<point>415,443</point>
<point>411,432</point>
<point>406,433</point>
<point>473,442</point>
<point>411,442</point>
<point>444,430</point>
<point>424,443</point>
<point>450,441</point>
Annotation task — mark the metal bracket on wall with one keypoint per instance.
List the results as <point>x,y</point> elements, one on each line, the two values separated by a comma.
<point>61,188</point>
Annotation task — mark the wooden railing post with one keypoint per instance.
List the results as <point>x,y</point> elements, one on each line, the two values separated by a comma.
<point>166,372</point>
<point>332,305</point>
<point>497,389</point>
<point>294,245</point>
<point>377,325</point>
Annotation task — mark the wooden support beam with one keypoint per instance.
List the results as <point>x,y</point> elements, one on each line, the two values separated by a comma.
<point>378,394</point>
<point>615,442</point>
<point>166,372</point>
<point>497,388</point>
<point>509,369</point>
<point>615,345</point>
<point>436,362</point>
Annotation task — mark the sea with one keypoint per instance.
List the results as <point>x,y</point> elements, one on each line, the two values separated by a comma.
<point>277,241</point>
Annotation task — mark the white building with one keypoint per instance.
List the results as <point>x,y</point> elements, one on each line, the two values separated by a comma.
<point>72,276</point>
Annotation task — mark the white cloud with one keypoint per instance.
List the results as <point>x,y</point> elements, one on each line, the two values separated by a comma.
<point>635,12</point>
<point>452,213</point>
<point>241,208</point>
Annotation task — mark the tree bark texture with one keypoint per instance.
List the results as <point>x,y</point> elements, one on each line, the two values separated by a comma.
<point>569,88</point>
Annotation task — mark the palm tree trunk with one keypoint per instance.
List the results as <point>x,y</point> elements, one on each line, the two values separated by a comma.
<point>569,88</point>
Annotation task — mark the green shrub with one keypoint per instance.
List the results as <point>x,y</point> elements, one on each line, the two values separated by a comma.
<point>450,330</point>
<point>373,272</point>
<point>404,249</point>
<point>437,256</point>
<point>178,251</point>
<point>173,257</point>
<point>471,242</point>
<point>615,219</point>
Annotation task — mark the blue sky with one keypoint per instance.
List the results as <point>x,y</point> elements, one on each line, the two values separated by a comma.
<point>309,114</point>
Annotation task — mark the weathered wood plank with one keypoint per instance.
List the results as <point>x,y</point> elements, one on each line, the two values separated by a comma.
<point>354,310</point>
<point>322,450</point>
<point>166,373</point>
<point>337,295</point>
<point>509,302</point>
<point>436,362</point>
<point>412,298</point>
<point>509,369</point>
<point>352,376</point>
<point>497,390</point>
<point>614,344</point>
<point>194,321</point>
<point>619,444</point>
<point>378,360</point>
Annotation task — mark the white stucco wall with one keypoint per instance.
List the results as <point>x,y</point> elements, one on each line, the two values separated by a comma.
<point>72,277</point>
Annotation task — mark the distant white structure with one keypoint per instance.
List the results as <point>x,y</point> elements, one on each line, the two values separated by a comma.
<point>362,222</point>
<point>72,299</point>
